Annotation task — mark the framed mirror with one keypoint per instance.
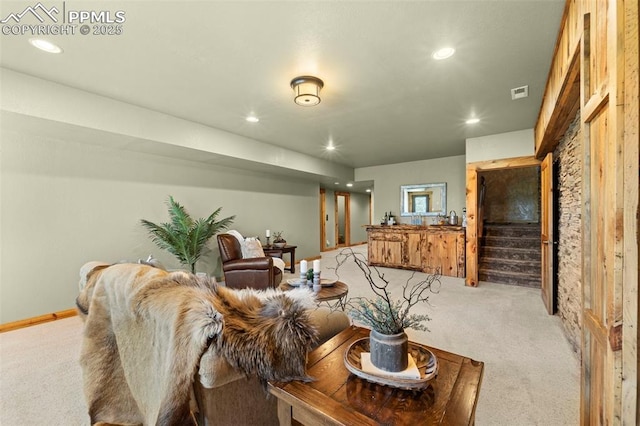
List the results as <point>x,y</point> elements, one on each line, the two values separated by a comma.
<point>428,199</point>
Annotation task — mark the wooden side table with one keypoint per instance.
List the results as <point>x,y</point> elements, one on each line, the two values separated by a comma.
<point>271,249</point>
<point>337,397</point>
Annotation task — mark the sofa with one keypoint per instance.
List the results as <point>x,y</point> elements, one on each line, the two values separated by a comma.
<point>172,348</point>
<point>245,401</point>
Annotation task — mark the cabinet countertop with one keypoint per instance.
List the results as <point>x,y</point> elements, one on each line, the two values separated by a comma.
<point>403,227</point>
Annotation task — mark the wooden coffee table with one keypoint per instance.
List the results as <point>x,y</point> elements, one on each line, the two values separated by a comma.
<point>337,397</point>
<point>338,292</point>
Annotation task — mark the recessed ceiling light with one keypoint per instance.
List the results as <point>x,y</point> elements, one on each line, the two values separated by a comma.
<point>337,183</point>
<point>444,53</point>
<point>252,119</point>
<point>368,190</point>
<point>472,121</point>
<point>349,185</point>
<point>45,45</point>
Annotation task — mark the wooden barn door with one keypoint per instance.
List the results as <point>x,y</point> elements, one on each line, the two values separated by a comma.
<point>546,233</point>
<point>603,38</point>
<point>603,399</point>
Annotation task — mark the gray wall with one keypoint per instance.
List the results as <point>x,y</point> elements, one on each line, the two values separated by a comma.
<point>359,217</point>
<point>388,179</point>
<point>65,203</point>
<point>503,145</point>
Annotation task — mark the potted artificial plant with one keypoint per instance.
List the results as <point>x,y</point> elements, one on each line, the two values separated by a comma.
<point>278,240</point>
<point>185,237</point>
<point>388,318</point>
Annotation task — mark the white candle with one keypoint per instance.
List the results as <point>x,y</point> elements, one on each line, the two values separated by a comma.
<point>316,265</point>
<point>303,266</point>
<point>267,233</point>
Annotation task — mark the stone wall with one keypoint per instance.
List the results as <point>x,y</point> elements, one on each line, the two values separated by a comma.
<point>569,233</point>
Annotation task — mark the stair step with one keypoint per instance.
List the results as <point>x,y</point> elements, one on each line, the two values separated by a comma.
<point>513,278</point>
<point>515,242</point>
<point>512,230</point>
<point>531,267</point>
<point>511,253</point>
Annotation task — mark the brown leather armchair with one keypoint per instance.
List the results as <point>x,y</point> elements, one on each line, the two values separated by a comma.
<point>256,272</point>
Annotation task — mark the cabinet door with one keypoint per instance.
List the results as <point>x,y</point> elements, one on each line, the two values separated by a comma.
<point>431,259</point>
<point>394,247</point>
<point>449,254</point>
<point>412,255</point>
<point>441,253</point>
<point>377,251</point>
<point>461,255</point>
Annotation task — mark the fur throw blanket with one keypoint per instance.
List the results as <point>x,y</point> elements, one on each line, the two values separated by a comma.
<point>148,333</point>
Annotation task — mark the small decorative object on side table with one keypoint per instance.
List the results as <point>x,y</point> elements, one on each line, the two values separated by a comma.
<point>387,318</point>
<point>278,240</point>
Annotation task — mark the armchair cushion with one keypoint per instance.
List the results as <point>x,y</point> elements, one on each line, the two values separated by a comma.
<point>258,263</point>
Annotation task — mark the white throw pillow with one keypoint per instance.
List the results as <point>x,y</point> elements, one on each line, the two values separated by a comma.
<point>252,248</point>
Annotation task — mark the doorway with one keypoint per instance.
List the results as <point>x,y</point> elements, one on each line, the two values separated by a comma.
<point>342,216</point>
<point>475,211</point>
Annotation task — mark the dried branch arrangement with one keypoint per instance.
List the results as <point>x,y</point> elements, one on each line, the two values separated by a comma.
<point>383,313</point>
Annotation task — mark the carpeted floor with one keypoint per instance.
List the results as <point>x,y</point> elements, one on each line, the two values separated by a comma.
<point>531,375</point>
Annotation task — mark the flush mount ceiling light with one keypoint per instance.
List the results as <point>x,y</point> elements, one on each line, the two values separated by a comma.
<point>45,45</point>
<point>307,90</point>
<point>330,146</point>
<point>444,53</point>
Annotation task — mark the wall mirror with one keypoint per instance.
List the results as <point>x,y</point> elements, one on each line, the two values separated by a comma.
<point>429,199</point>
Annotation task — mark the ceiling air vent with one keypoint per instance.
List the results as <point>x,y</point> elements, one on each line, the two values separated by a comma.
<point>519,92</point>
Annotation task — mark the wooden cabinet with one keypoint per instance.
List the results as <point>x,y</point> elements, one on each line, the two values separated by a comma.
<point>421,248</point>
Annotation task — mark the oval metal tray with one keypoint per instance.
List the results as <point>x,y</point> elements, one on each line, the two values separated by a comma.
<point>324,282</point>
<point>426,362</point>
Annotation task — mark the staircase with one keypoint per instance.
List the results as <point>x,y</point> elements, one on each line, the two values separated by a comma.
<point>510,254</point>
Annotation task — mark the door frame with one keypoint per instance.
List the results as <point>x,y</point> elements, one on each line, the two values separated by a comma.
<point>323,224</point>
<point>472,232</point>
<point>547,237</point>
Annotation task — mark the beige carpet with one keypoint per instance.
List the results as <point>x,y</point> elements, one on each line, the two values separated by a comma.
<point>531,375</point>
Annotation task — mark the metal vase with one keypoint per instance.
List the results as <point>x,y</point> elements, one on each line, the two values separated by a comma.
<point>389,352</point>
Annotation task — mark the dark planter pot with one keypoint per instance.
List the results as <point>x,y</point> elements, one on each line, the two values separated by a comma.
<point>389,352</point>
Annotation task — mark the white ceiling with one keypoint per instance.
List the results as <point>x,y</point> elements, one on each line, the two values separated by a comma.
<point>385,99</point>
